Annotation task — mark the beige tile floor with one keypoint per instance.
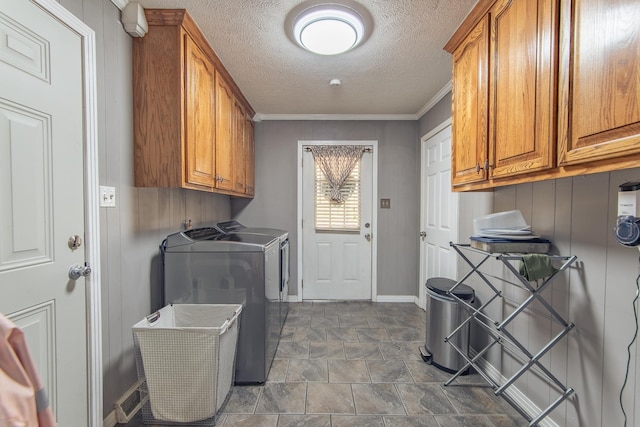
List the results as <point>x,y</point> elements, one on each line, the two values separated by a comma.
<point>357,364</point>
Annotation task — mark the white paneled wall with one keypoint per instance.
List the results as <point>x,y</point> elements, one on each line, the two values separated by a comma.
<point>577,215</point>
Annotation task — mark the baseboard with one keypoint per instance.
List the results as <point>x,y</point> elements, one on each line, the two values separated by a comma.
<point>396,298</point>
<point>513,392</point>
<point>379,298</point>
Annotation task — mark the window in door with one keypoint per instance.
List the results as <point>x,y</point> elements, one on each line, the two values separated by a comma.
<point>337,216</point>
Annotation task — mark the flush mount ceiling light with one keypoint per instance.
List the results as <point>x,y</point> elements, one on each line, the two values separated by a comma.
<point>328,28</point>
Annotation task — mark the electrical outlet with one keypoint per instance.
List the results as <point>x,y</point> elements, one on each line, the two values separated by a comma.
<point>385,203</point>
<point>107,197</point>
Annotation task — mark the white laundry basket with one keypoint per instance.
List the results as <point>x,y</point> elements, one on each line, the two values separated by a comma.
<point>186,354</point>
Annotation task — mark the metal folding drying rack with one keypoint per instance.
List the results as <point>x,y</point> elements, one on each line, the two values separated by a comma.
<point>498,333</point>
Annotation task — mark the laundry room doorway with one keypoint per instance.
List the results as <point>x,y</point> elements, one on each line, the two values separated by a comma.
<point>337,187</point>
<point>439,208</point>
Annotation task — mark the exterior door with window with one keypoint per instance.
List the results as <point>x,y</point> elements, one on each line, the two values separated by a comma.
<point>337,238</point>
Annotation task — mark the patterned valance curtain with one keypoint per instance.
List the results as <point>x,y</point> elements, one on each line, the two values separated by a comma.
<point>336,163</point>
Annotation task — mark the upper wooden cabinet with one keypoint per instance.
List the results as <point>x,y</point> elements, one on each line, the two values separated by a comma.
<point>599,81</point>
<point>522,86</point>
<point>200,129</point>
<point>563,95</point>
<point>470,89</point>
<point>503,91</point>
<point>249,154</point>
<point>185,107</point>
<point>239,155</point>
<point>225,135</point>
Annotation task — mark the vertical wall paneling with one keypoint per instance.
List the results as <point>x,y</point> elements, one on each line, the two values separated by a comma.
<point>560,290</point>
<point>539,328</point>
<point>622,270</point>
<point>577,214</point>
<point>589,236</point>
<point>503,201</point>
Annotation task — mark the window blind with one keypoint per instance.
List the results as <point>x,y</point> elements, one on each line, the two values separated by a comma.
<point>334,216</point>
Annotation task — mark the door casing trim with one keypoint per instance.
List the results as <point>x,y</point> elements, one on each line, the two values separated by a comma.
<point>91,204</point>
<point>374,214</point>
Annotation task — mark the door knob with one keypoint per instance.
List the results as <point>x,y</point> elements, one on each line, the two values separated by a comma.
<point>423,234</point>
<point>368,237</point>
<point>77,271</point>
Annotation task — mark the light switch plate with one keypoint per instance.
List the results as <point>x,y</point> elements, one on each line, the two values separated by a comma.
<point>107,197</point>
<point>385,203</point>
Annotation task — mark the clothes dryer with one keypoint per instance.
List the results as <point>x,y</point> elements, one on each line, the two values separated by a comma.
<point>206,266</point>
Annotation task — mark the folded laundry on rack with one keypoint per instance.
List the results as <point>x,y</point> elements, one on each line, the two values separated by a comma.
<point>536,266</point>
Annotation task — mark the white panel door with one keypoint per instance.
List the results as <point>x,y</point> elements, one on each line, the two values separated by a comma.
<point>439,209</point>
<point>337,264</point>
<point>41,199</point>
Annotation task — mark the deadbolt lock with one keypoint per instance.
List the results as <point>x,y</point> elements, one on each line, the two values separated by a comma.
<point>75,242</point>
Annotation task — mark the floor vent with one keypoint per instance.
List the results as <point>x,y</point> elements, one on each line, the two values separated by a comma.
<point>130,403</point>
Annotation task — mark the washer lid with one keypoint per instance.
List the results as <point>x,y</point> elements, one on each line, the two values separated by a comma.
<point>251,239</point>
<point>229,227</point>
<point>441,286</point>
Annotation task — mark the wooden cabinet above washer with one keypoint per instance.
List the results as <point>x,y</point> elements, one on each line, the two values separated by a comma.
<point>185,103</point>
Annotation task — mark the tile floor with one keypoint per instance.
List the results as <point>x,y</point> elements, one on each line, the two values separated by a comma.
<point>357,364</point>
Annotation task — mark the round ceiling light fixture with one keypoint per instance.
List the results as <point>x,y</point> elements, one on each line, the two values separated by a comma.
<point>328,28</point>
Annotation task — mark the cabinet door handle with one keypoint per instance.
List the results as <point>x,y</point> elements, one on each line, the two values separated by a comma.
<point>477,168</point>
<point>487,166</point>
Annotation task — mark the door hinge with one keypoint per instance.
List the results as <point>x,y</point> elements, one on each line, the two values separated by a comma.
<point>302,283</point>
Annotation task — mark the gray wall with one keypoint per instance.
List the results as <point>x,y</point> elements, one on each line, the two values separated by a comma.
<point>131,232</point>
<point>275,203</point>
<point>435,116</point>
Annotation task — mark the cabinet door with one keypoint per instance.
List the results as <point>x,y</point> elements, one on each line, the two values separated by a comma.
<point>249,157</point>
<point>522,86</point>
<point>239,150</point>
<point>225,122</point>
<point>599,80</point>
<point>199,121</point>
<point>470,91</point>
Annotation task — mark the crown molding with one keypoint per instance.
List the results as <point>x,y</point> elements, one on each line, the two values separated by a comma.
<point>259,117</point>
<point>434,100</point>
<point>120,4</point>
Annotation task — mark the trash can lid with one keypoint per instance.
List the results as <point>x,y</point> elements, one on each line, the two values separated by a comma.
<point>441,285</point>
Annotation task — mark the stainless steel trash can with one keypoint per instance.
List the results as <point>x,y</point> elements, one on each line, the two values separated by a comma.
<point>444,314</point>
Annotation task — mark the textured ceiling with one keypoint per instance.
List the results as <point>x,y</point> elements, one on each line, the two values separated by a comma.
<point>397,71</point>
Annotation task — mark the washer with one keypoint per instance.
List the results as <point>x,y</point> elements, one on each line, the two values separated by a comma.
<point>205,266</point>
<point>234,227</point>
